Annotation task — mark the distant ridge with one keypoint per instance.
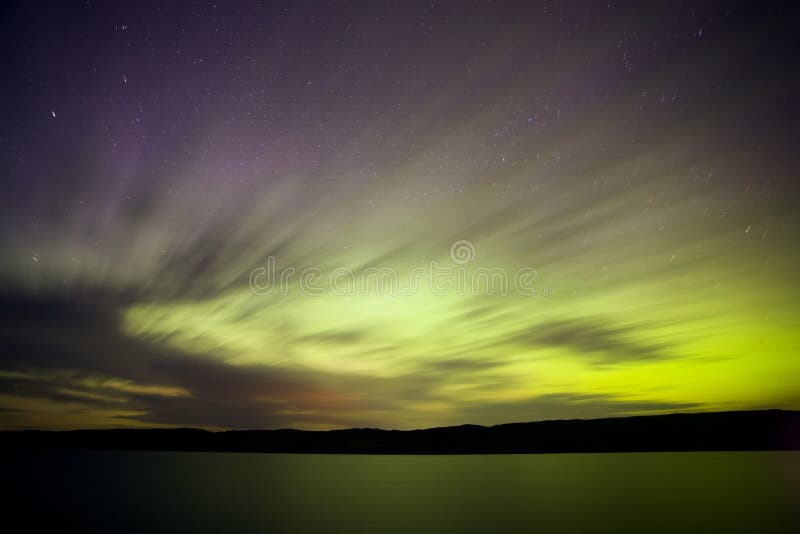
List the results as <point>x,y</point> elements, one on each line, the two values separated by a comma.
<point>719,431</point>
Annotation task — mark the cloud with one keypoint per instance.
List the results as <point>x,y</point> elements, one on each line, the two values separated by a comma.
<point>599,341</point>
<point>343,337</point>
<point>73,352</point>
<point>70,356</point>
<point>460,365</point>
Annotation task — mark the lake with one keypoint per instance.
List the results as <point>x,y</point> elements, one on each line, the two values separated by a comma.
<point>218,492</point>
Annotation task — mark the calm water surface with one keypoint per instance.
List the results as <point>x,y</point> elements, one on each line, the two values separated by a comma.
<point>222,492</point>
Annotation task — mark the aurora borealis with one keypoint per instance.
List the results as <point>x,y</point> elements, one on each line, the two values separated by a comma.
<point>640,160</point>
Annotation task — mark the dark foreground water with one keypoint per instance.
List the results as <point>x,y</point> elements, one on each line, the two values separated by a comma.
<point>221,492</point>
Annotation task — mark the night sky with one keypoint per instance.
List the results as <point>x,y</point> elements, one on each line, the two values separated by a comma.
<point>637,163</point>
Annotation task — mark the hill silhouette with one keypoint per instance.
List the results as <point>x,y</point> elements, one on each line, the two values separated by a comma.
<point>720,431</point>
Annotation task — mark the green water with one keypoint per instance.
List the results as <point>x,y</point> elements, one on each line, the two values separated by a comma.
<point>220,492</point>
